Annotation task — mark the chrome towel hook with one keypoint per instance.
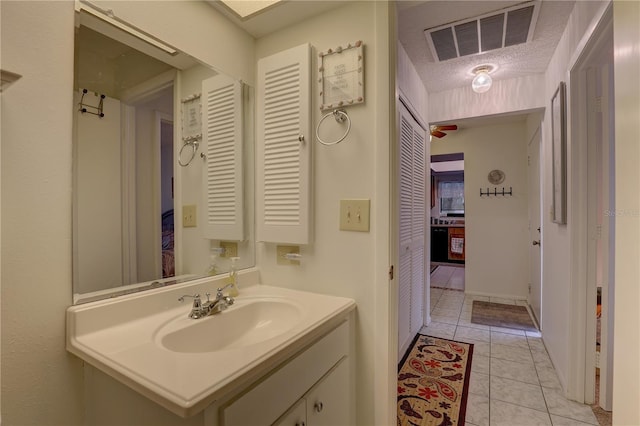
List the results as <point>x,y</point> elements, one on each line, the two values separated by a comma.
<point>340,116</point>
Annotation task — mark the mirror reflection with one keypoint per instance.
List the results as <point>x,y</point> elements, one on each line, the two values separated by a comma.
<point>155,201</point>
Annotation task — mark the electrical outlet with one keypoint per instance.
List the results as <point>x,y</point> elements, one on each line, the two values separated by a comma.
<point>230,249</point>
<point>189,216</point>
<point>354,215</point>
<point>282,251</point>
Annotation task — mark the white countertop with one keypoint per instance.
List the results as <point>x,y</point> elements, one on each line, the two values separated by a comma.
<point>120,337</point>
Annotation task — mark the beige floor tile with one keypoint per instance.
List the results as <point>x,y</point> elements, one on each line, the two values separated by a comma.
<point>479,384</point>
<point>481,364</point>
<point>548,377</point>
<point>563,421</point>
<point>561,406</point>
<point>519,393</point>
<point>477,410</point>
<point>509,340</point>
<point>473,333</point>
<point>508,331</point>
<point>514,370</point>
<point>511,353</point>
<point>507,414</point>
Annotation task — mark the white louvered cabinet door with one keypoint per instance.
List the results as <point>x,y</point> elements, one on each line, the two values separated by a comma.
<point>284,147</point>
<point>223,181</point>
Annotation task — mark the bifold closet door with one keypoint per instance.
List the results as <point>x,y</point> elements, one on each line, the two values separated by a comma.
<point>412,229</point>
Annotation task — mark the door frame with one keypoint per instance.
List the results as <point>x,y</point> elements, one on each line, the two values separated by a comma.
<point>131,97</point>
<point>582,324</point>
<point>536,139</point>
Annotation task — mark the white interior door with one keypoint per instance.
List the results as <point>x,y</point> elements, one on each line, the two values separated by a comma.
<point>600,223</point>
<point>535,231</point>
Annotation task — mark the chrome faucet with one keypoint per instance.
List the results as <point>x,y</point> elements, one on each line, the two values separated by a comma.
<point>201,310</point>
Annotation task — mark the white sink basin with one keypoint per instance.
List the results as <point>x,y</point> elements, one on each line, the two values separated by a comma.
<point>148,342</point>
<point>242,325</point>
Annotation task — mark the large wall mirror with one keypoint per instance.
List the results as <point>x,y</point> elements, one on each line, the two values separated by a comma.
<point>163,154</point>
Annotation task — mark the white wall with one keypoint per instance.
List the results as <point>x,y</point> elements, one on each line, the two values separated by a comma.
<point>516,94</point>
<point>195,28</point>
<point>496,227</point>
<point>338,262</point>
<point>556,294</point>
<point>41,383</point>
<point>626,381</point>
<point>410,84</point>
<point>97,200</point>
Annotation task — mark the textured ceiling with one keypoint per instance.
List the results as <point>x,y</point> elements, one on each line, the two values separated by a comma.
<point>515,61</point>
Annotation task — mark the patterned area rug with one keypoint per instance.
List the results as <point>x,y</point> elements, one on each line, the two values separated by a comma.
<point>433,382</point>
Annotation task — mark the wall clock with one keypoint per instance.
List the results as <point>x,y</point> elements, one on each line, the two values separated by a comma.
<point>496,177</point>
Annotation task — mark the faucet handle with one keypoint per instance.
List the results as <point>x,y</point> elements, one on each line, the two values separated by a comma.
<point>196,299</point>
<point>220,290</point>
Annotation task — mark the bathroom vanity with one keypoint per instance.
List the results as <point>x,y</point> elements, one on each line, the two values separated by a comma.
<point>276,356</point>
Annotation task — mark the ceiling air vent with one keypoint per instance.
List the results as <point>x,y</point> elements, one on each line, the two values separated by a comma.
<point>494,30</point>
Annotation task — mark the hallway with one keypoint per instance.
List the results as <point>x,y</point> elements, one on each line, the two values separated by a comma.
<point>512,379</point>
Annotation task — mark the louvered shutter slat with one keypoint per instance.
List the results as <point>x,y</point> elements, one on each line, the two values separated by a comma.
<point>223,170</point>
<point>284,190</point>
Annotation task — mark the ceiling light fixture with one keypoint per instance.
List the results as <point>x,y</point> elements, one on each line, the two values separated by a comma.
<point>482,81</point>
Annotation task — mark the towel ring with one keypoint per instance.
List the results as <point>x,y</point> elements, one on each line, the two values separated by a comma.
<point>194,148</point>
<point>340,115</point>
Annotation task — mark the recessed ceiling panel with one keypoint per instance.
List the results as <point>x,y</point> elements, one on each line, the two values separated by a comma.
<point>492,29</point>
<point>444,43</point>
<point>467,38</point>
<point>484,33</point>
<point>518,24</point>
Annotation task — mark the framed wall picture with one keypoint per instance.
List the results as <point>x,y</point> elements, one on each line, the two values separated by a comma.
<point>559,148</point>
<point>341,79</point>
<point>191,119</point>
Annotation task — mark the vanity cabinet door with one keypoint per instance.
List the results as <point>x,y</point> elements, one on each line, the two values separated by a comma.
<point>296,416</point>
<point>328,401</point>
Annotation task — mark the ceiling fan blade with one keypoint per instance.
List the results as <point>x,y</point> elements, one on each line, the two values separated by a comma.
<point>447,127</point>
<point>437,133</point>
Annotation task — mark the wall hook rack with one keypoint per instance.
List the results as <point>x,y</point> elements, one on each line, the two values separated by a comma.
<point>90,109</point>
<point>495,192</point>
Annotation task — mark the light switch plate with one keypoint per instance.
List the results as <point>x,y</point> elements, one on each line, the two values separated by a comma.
<point>230,248</point>
<point>282,251</point>
<point>189,216</point>
<point>354,215</point>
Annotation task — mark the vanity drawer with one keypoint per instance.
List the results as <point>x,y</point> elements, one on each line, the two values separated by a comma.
<point>267,401</point>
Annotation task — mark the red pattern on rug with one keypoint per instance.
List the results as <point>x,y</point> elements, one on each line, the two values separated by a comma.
<point>433,382</point>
